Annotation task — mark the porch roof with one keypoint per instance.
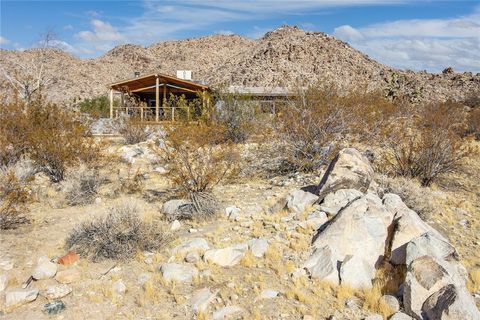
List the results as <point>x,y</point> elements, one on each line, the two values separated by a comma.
<point>147,83</point>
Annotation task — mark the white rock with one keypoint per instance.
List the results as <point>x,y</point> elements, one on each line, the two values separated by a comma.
<point>129,153</point>
<point>451,303</point>
<point>232,212</point>
<point>267,294</point>
<point>14,297</point>
<point>400,316</point>
<point>333,202</point>
<point>299,200</point>
<point>316,219</point>
<point>225,257</point>
<point>258,247</point>
<point>392,302</point>
<point>321,265</point>
<point>374,317</point>
<point>192,257</point>
<point>45,269</point>
<point>170,207</point>
<point>349,170</point>
<point>57,291</point>
<point>143,278</point>
<point>201,299</point>
<point>225,312</point>
<point>195,244</point>
<point>3,282</point>
<point>175,225</point>
<point>178,272</point>
<point>119,287</point>
<point>356,272</point>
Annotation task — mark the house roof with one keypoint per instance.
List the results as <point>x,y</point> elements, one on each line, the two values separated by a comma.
<point>147,84</point>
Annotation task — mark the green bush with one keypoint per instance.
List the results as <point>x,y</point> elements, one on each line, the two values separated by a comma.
<point>98,107</point>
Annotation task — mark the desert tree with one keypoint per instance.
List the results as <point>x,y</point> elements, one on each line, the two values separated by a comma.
<point>30,76</point>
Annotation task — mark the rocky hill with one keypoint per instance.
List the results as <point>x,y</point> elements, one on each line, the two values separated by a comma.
<point>286,56</point>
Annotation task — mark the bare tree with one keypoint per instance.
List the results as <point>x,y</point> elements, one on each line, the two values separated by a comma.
<point>30,76</point>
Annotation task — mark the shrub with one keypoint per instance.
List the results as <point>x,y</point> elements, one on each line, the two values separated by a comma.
<point>201,206</point>
<point>131,184</point>
<point>119,235</point>
<point>473,123</point>
<point>50,135</point>
<point>13,197</point>
<point>81,186</point>
<point>98,107</point>
<point>427,145</point>
<point>133,132</point>
<point>196,161</point>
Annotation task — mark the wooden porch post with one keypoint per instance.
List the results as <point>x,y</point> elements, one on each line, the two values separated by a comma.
<point>164,100</point>
<point>111,103</point>
<point>157,98</point>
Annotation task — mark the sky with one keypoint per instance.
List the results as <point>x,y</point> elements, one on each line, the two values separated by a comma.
<point>417,35</point>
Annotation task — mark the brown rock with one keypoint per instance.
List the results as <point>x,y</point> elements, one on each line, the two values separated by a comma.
<point>69,258</point>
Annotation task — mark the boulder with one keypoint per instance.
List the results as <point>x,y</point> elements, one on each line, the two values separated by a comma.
<point>45,269</point>
<point>424,277</point>
<point>201,299</point>
<point>315,220</point>
<point>321,265</point>
<point>408,226</point>
<point>178,272</point>
<point>450,303</point>
<point>195,244</point>
<point>57,291</point>
<point>258,247</point>
<point>333,202</point>
<point>391,301</point>
<point>356,272</point>
<point>348,170</point>
<point>226,312</point>
<point>299,200</point>
<point>192,257</point>
<point>15,297</point>
<point>226,257</point>
<point>362,226</point>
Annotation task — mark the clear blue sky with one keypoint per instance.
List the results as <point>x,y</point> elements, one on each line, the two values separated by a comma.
<point>403,33</point>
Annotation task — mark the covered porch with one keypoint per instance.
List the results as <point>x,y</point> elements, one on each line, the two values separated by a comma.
<point>158,97</point>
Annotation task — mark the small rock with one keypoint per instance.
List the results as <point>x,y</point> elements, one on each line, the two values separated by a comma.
<point>267,294</point>
<point>193,230</point>
<point>69,258</point>
<point>392,302</point>
<point>178,272</point>
<point>258,247</point>
<point>98,200</point>
<point>201,299</point>
<point>175,225</point>
<point>195,244</point>
<point>232,212</point>
<point>143,277</point>
<point>226,312</point>
<point>400,316</point>
<point>192,257</point>
<point>3,282</point>
<point>57,291</point>
<point>119,287</point>
<point>225,257</point>
<point>374,317</point>
<point>16,297</point>
<point>54,307</point>
<point>351,303</point>
<point>68,276</point>
<point>45,269</point>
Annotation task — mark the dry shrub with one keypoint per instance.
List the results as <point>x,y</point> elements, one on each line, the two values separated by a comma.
<point>201,206</point>
<point>120,235</point>
<point>133,132</point>
<point>81,186</point>
<point>320,120</point>
<point>473,123</point>
<point>13,198</point>
<point>197,162</point>
<point>132,183</point>
<point>427,145</point>
<point>50,135</point>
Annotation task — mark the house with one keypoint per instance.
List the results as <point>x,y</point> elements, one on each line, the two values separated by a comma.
<point>147,97</point>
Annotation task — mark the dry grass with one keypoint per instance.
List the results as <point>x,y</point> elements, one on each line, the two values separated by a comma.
<point>120,235</point>
<point>13,198</point>
<point>81,186</point>
<point>473,283</point>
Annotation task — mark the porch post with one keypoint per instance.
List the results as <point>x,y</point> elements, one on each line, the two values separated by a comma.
<point>157,98</point>
<point>164,100</point>
<point>111,103</point>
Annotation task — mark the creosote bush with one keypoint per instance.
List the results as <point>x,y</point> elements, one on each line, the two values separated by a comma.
<point>13,198</point>
<point>98,107</point>
<point>133,132</point>
<point>81,186</point>
<point>427,145</point>
<point>119,235</point>
<point>50,135</point>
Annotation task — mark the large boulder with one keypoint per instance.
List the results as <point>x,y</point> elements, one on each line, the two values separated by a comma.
<point>359,227</point>
<point>356,272</point>
<point>424,277</point>
<point>226,257</point>
<point>408,226</point>
<point>299,200</point>
<point>348,170</point>
<point>450,303</point>
<point>321,265</point>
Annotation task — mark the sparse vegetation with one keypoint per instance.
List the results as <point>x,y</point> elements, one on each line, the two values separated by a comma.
<point>13,198</point>
<point>119,235</point>
<point>81,186</point>
<point>133,132</point>
<point>98,107</point>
